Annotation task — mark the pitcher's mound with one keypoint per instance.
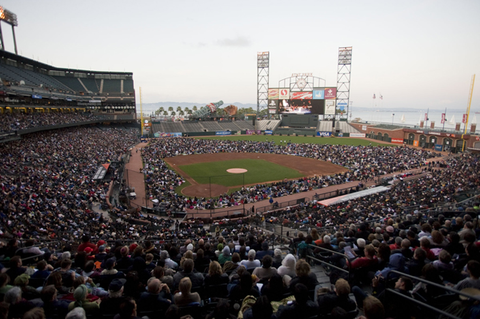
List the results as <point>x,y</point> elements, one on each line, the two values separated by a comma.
<point>203,190</point>
<point>236,170</point>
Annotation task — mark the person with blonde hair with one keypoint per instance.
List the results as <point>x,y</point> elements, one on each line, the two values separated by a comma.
<point>185,296</point>
<point>303,275</point>
<point>215,275</point>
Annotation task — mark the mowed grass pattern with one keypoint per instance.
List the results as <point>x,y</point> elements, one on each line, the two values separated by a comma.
<point>259,171</point>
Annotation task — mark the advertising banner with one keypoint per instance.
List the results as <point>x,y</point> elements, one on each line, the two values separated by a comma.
<point>158,134</point>
<point>272,104</point>
<point>318,94</point>
<point>329,107</point>
<point>397,140</point>
<point>415,143</point>
<point>438,147</point>
<point>324,134</point>
<point>223,133</point>
<point>330,93</point>
<point>284,94</point>
<point>302,95</point>
<point>273,94</point>
<point>268,132</point>
<point>253,132</point>
<point>36,96</point>
<point>358,135</point>
<point>272,111</point>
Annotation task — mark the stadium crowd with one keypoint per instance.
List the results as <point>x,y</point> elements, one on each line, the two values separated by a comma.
<point>21,121</point>
<point>100,268</point>
<point>365,163</point>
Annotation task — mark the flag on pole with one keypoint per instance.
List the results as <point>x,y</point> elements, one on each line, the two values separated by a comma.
<point>381,97</point>
<point>443,118</point>
<point>374,96</point>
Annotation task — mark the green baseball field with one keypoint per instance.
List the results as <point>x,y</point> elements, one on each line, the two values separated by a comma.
<point>258,171</point>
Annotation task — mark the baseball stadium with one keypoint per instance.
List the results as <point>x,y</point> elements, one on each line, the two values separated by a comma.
<point>294,211</point>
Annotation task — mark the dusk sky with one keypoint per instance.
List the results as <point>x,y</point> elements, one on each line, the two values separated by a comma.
<point>417,54</point>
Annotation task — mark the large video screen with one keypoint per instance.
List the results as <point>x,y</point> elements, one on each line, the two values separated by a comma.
<point>301,106</point>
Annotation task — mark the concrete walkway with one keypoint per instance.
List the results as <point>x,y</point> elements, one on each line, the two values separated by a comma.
<point>134,177</point>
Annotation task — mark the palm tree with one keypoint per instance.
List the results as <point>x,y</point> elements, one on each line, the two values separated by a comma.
<point>165,113</point>
<point>170,108</point>
<point>194,108</point>
<point>179,108</point>
<point>182,113</point>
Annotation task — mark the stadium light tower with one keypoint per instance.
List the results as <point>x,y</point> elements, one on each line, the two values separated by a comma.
<point>10,18</point>
<point>343,78</point>
<point>263,63</point>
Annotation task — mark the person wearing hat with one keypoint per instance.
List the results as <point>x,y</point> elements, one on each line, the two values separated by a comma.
<point>111,303</point>
<point>28,292</point>
<point>80,295</point>
<point>86,243</point>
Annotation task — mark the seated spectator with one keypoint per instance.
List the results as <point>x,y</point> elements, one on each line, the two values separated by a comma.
<point>277,258</point>
<point>18,306</point>
<point>275,289</point>
<point>244,288</point>
<point>111,303</point>
<point>43,270</point>
<point>76,313</point>
<point>430,273</point>
<point>127,310</point>
<point>201,262</point>
<point>196,278</point>
<point>4,283</point>
<point>338,298</point>
<point>157,296</point>
<point>28,292</point>
<point>370,258</point>
<point>266,271</point>
<point>125,261</point>
<point>265,251</point>
<point>51,304</point>
<point>159,273</point>
<point>225,255</point>
<point>425,245</point>
<point>304,276</point>
<point>185,296</point>
<point>373,308</point>
<point>473,279</point>
<point>56,280</point>
<point>444,261</point>
<point>302,307</point>
<point>215,275</point>
<point>80,295</point>
<point>416,264</point>
<point>251,262</point>
<point>165,256</point>
<point>261,309</point>
<point>288,266</point>
<point>16,268</point>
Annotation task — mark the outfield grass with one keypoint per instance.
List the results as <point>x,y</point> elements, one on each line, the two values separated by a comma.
<point>298,139</point>
<point>259,171</point>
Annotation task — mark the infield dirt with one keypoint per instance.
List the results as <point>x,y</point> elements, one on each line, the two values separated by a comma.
<point>306,166</point>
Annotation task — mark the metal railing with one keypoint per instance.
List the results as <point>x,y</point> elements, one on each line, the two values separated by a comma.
<point>423,304</point>
<point>326,262</point>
